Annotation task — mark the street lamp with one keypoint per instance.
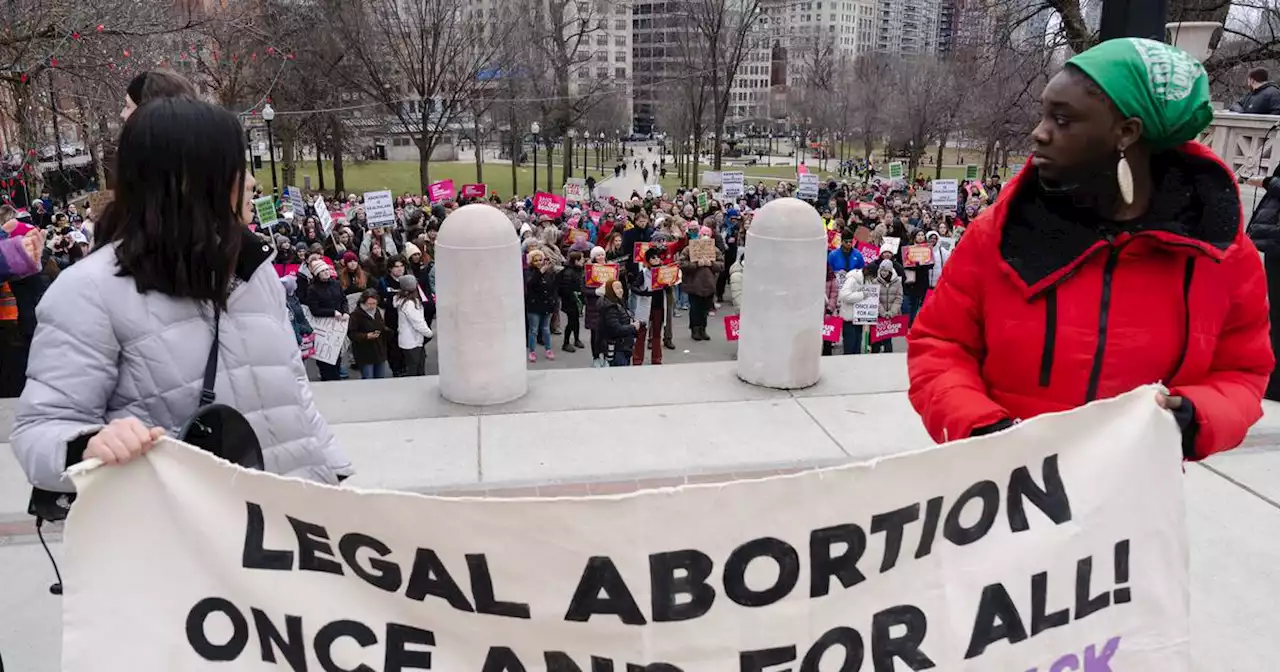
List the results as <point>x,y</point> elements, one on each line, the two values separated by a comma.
<point>568,149</point>
<point>534,128</point>
<point>599,151</point>
<point>586,140</point>
<point>269,115</point>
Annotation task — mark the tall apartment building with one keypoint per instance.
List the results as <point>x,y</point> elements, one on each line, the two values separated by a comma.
<point>653,60</point>
<point>908,27</point>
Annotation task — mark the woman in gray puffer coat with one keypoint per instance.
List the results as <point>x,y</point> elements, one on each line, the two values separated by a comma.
<point>124,336</point>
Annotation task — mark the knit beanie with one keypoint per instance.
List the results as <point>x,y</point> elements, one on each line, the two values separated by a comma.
<point>290,283</point>
<point>408,282</point>
<point>349,256</point>
<point>410,249</point>
<point>317,266</point>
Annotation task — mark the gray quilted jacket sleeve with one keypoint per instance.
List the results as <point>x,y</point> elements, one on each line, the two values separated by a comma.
<point>70,378</point>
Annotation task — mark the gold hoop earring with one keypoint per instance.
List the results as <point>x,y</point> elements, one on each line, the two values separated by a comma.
<point>1124,175</point>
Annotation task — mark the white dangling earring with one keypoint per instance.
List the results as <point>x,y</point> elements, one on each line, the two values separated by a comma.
<point>1124,175</point>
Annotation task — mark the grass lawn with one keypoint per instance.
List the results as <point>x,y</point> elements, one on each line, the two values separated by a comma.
<point>402,176</point>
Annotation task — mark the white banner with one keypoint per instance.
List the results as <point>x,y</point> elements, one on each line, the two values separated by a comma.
<point>654,189</point>
<point>379,208</point>
<point>575,190</point>
<point>331,337</point>
<point>868,309</point>
<point>296,203</point>
<point>731,183</point>
<point>807,186</point>
<point>946,193</point>
<point>1058,545</point>
<point>326,219</point>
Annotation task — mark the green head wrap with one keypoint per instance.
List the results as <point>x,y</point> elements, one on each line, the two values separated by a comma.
<point>1160,84</point>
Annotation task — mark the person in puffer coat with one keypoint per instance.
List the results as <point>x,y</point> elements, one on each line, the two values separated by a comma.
<point>890,299</point>
<point>120,352</point>
<point>1085,281</point>
<point>1264,231</point>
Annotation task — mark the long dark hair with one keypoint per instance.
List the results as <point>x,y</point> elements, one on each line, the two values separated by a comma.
<point>180,163</point>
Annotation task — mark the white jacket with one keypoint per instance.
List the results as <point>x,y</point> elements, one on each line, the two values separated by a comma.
<point>413,330</point>
<point>850,293</point>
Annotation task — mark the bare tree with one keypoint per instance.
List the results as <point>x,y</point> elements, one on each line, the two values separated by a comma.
<point>869,87</point>
<point>423,60</point>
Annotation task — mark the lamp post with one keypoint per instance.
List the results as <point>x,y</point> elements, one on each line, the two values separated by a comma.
<point>269,115</point>
<point>586,140</point>
<point>600,152</point>
<point>569,153</point>
<point>534,128</point>
<point>248,142</point>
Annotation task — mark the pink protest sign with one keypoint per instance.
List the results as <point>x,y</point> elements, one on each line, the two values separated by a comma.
<point>594,215</point>
<point>869,252</point>
<point>548,204</point>
<point>440,191</point>
<point>474,190</point>
<point>832,328</point>
<point>889,327</point>
<point>731,324</point>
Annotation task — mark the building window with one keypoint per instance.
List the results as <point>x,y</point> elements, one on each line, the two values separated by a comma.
<point>619,24</point>
<point>620,56</point>
<point>620,73</point>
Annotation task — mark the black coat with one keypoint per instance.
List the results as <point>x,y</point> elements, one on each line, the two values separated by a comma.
<point>615,323</point>
<point>1264,227</point>
<point>325,299</point>
<point>363,350</point>
<point>1263,100</point>
<point>539,292</point>
<point>569,285</point>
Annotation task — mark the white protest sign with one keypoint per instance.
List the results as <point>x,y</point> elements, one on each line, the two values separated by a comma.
<point>891,243</point>
<point>322,214</point>
<point>712,178</point>
<point>731,183</point>
<point>808,186</point>
<point>868,309</point>
<point>331,337</point>
<point>296,203</point>
<point>1063,539</point>
<point>946,193</point>
<point>655,189</point>
<point>575,189</point>
<point>379,208</point>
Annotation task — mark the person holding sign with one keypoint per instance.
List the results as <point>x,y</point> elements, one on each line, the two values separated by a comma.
<point>1116,258</point>
<point>701,262</point>
<point>125,336</point>
<point>851,294</point>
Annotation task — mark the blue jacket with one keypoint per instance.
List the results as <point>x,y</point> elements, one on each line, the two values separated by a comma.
<point>839,261</point>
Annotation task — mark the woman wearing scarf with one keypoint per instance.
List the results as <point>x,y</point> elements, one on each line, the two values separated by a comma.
<point>1115,259</point>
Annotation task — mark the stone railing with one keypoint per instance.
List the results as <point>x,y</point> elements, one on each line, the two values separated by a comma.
<point>1246,142</point>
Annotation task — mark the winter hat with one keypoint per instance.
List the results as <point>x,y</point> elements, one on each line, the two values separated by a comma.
<point>886,264</point>
<point>597,252</point>
<point>290,283</point>
<point>349,256</point>
<point>77,237</point>
<point>408,282</point>
<point>282,241</point>
<point>317,266</point>
<point>410,249</point>
<point>706,232</point>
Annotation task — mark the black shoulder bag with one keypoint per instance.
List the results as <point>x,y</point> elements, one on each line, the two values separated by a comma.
<point>218,428</point>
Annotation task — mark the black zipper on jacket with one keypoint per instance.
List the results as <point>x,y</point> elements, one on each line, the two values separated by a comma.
<point>1186,319</point>
<point>1050,335</point>
<point>1104,310</point>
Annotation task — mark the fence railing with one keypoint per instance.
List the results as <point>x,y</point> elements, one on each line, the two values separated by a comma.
<point>1246,142</point>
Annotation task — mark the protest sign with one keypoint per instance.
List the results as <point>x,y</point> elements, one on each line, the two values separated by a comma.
<point>971,172</point>
<point>732,182</point>
<point>598,274</point>
<point>870,253</point>
<point>832,328</point>
<point>575,190</point>
<point>308,346</point>
<point>946,193</point>
<point>654,189</point>
<point>441,191</point>
<point>808,186</point>
<point>548,204</point>
<point>895,170</point>
<point>868,309</point>
<point>703,201</point>
<point>917,255</point>
<point>666,276</point>
<point>732,324</point>
<point>594,215</point>
<point>296,203</point>
<point>711,178</point>
<point>702,249</point>
<point>322,214</point>
<point>379,208</point>
<point>891,244</point>
<point>1059,541</point>
<point>802,169</point>
<point>889,327</point>
<point>638,252</point>
<point>331,337</point>
<point>474,191</point>
<point>266,209</point>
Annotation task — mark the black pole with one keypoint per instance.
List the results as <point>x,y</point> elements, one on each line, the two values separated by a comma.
<point>271,149</point>
<point>1134,18</point>
<point>535,161</point>
<point>57,141</point>
<point>248,141</point>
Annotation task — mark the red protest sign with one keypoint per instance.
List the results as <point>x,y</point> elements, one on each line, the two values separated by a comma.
<point>731,325</point>
<point>594,215</point>
<point>832,328</point>
<point>440,191</point>
<point>639,251</point>
<point>917,255</point>
<point>548,204</point>
<point>888,327</point>
<point>598,274</point>
<point>666,276</point>
<point>474,190</point>
<point>870,253</point>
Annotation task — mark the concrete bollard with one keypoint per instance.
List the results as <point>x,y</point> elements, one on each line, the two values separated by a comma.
<point>480,308</point>
<point>780,335</point>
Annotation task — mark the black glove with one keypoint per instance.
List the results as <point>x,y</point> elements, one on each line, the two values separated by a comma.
<point>993,428</point>
<point>1185,414</point>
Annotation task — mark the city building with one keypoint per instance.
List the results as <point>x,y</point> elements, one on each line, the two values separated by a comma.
<point>908,27</point>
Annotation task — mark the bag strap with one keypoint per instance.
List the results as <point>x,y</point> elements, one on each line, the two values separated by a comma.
<point>207,395</point>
